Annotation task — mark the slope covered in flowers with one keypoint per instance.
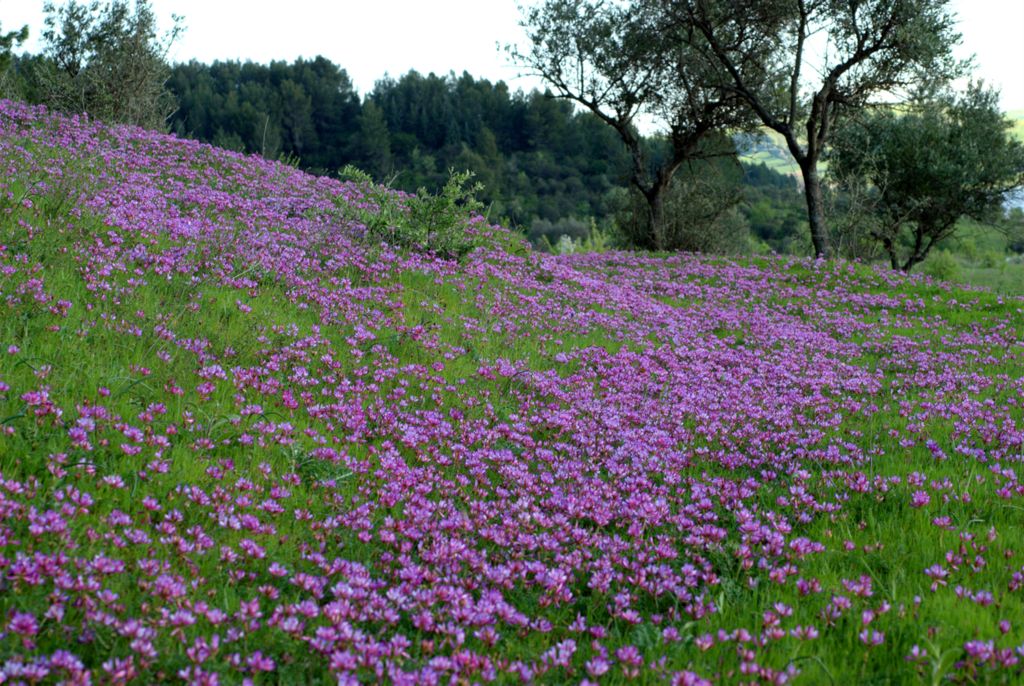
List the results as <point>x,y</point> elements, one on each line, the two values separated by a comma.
<point>240,442</point>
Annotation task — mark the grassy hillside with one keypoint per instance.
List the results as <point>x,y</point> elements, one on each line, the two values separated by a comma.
<point>770,149</point>
<point>241,440</point>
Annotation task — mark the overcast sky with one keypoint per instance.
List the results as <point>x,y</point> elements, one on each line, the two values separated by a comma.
<point>371,38</point>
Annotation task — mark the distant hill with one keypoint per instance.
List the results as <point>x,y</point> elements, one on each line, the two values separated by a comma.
<point>769,147</point>
<point>1018,123</point>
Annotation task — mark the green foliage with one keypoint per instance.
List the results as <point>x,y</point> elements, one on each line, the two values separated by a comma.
<point>918,172</point>
<point>7,43</point>
<point>439,224</point>
<point>108,60</point>
<point>699,212</point>
<point>942,265</point>
<point>594,240</point>
<point>774,209</point>
<point>1013,225</point>
<point>540,162</point>
<point>535,156</point>
<point>620,61</point>
<point>372,146</point>
<point>1007,277</point>
<point>968,248</point>
<point>308,109</point>
<point>858,50</point>
<point>990,259</point>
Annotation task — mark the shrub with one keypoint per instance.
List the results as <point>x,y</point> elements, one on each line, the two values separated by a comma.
<point>990,259</point>
<point>108,60</point>
<point>439,224</point>
<point>942,265</point>
<point>969,250</point>
<point>7,43</point>
<point>699,216</point>
<point>595,240</point>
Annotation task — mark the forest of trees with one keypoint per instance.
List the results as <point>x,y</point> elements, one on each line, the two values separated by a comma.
<point>531,153</point>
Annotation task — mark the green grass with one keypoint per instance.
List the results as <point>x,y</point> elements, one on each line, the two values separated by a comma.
<point>1007,278</point>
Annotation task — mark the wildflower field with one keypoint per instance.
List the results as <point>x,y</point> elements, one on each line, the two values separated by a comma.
<point>243,442</point>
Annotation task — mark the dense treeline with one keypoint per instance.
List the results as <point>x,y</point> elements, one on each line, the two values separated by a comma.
<point>307,110</point>
<point>533,154</point>
<point>773,209</point>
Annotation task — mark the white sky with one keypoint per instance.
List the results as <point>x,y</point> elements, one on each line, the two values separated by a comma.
<point>371,38</point>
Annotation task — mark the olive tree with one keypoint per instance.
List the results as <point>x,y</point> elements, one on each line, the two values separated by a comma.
<point>800,65</point>
<point>921,169</point>
<point>622,64</point>
<point>8,41</point>
<point>109,60</point>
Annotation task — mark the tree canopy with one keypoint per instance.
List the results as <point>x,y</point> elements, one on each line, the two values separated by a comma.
<point>800,65</point>
<point>7,43</point>
<point>546,165</point>
<point>107,59</point>
<point>927,167</point>
<point>621,64</point>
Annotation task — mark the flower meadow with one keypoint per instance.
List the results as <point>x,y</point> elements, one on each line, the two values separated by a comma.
<point>242,443</point>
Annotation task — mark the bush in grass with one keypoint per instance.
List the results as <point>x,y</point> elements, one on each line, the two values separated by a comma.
<point>544,232</point>
<point>990,259</point>
<point>942,265</point>
<point>439,224</point>
<point>594,239</point>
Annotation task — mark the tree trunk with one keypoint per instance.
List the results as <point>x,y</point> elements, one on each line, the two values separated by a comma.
<point>656,214</point>
<point>890,250</point>
<point>919,252</point>
<point>815,209</point>
<point>912,260</point>
<point>657,206</point>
